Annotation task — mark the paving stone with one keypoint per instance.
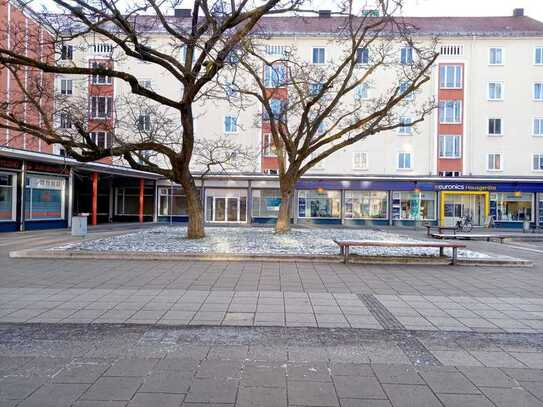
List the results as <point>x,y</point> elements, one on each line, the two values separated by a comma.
<point>364,403</point>
<point>166,382</point>
<point>19,388</point>
<point>351,369</point>
<point>263,375</point>
<point>497,359</point>
<point>488,377</point>
<point>394,374</point>
<point>158,400</point>
<point>99,404</point>
<point>304,393</point>
<point>448,382</point>
<point>113,388</point>
<point>511,397</point>
<point>402,395</point>
<point>456,358</point>
<point>464,400</point>
<point>55,395</point>
<point>219,369</point>
<point>531,359</point>
<point>131,367</point>
<point>261,397</point>
<point>212,391</point>
<point>524,375</point>
<point>316,371</point>
<point>358,387</point>
<point>84,372</point>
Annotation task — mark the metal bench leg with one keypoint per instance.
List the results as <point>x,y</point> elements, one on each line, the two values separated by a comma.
<point>346,255</point>
<point>454,255</point>
<point>341,250</point>
<point>441,252</point>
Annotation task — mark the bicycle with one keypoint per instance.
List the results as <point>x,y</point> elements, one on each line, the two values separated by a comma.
<point>464,224</point>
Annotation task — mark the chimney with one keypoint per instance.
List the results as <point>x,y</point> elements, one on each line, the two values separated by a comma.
<point>182,12</point>
<point>518,12</point>
<point>325,13</point>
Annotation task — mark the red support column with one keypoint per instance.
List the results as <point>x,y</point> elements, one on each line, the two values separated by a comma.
<point>94,199</point>
<point>141,199</point>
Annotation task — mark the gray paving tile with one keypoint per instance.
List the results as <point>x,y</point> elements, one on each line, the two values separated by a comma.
<point>131,367</point>
<point>364,403</point>
<point>219,369</point>
<point>397,374</point>
<point>263,375</point>
<point>511,397</point>
<point>158,400</point>
<point>448,382</point>
<point>113,388</point>
<point>84,372</point>
<point>19,387</point>
<point>488,377</point>
<point>56,394</point>
<point>212,391</point>
<point>316,371</point>
<point>402,395</point>
<point>165,381</point>
<point>261,397</point>
<point>318,394</point>
<point>464,400</point>
<point>358,387</point>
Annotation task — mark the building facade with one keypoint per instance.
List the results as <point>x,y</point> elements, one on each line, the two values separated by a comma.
<point>480,154</point>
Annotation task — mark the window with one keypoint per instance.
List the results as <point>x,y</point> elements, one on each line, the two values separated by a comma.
<point>232,58</point>
<point>360,160</point>
<point>404,86</point>
<point>101,106</point>
<point>495,127</point>
<point>449,173</point>
<point>101,138</point>
<point>494,162</point>
<point>450,111</point>
<point>361,92</point>
<point>366,204</point>
<point>7,197</point>
<point>277,107</point>
<point>406,55</point>
<point>100,79</point>
<point>495,56</point>
<point>538,91</point>
<point>538,162</point>
<point>538,126</point>
<point>66,87</point>
<point>362,56</point>
<point>128,201</point>
<point>230,124</point>
<point>65,121</point>
<point>44,197</point>
<point>319,55</point>
<point>538,56</point>
<point>144,122</point>
<point>277,50</point>
<point>318,204</point>
<point>449,146</point>
<point>315,88</point>
<point>171,202</point>
<point>266,203</point>
<point>511,206</point>
<point>268,147</point>
<point>230,89</point>
<point>495,90</point>
<point>450,76</point>
<point>146,83</point>
<point>274,75</point>
<point>405,128</point>
<point>414,205</point>
<point>404,161</point>
<point>66,52</point>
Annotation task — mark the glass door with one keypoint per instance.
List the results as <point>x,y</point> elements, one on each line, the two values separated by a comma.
<point>232,205</point>
<point>219,214</point>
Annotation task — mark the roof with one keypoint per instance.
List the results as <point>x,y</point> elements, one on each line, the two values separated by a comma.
<point>447,26</point>
<point>508,26</point>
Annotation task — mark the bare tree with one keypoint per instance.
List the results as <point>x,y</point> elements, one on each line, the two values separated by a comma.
<point>334,104</point>
<point>192,51</point>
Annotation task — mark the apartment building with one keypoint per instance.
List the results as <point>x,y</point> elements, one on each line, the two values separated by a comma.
<point>479,154</point>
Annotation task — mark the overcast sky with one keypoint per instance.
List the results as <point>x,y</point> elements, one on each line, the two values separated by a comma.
<point>532,8</point>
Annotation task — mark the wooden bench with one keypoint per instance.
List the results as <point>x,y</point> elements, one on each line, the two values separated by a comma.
<point>440,229</point>
<point>345,245</point>
<point>472,236</point>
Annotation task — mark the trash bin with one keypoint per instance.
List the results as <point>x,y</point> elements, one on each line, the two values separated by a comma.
<point>526,226</point>
<point>79,225</point>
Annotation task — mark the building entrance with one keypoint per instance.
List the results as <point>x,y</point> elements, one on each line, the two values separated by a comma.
<point>456,205</point>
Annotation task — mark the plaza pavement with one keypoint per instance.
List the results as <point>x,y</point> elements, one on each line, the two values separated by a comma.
<point>143,333</point>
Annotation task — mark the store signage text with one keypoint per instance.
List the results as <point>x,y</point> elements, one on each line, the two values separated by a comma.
<point>464,187</point>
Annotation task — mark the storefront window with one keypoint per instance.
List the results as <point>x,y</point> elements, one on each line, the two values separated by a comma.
<point>226,205</point>
<point>171,202</point>
<point>6,197</point>
<point>128,201</point>
<point>512,206</point>
<point>366,204</point>
<point>414,205</point>
<point>44,197</point>
<point>266,203</point>
<point>316,204</point>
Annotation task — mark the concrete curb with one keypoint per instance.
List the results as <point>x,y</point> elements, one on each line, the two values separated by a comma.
<point>355,259</point>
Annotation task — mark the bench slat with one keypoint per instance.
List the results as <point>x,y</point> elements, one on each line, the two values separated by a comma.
<point>396,244</point>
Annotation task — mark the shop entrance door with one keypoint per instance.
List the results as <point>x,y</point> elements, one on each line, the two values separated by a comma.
<point>228,210</point>
<point>457,206</point>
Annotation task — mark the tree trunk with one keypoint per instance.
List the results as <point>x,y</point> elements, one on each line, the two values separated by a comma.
<point>195,227</point>
<point>283,217</point>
